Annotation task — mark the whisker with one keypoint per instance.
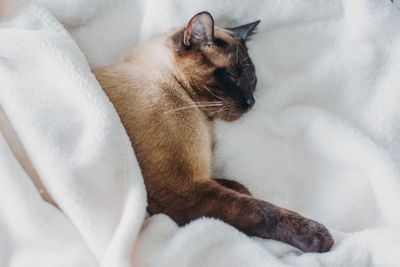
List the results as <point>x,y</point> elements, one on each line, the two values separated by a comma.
<point>195,106</point>
<point>205,87</point>
<point>243,60</point>
<point>224,108</point>
<point>211,102</point>
<point>217,111</point>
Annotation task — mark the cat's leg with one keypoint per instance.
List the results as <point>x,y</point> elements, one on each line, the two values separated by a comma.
<point>236,186</point>
<point>251,216</point>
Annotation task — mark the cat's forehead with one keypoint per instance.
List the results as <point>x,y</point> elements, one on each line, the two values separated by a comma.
<point>226,57</point>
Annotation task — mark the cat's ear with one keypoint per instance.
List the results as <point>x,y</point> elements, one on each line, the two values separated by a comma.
<point>245,31</point>
<point>200,30</point>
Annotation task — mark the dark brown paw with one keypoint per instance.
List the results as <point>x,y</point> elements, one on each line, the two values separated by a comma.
<point>302,233</point>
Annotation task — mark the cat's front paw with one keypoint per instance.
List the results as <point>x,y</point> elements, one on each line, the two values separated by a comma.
<point>302,233</point>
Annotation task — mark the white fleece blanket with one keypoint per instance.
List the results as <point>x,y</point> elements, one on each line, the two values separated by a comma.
<point>323,138</point>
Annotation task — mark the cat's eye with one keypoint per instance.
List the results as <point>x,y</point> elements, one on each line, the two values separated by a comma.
<point>220,43</point>
<point>233,77</point>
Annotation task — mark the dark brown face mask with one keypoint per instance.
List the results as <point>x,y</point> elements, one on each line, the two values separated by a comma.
<point>217,59</point>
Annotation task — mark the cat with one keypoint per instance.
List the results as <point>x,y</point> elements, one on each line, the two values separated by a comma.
<point>167,93</point>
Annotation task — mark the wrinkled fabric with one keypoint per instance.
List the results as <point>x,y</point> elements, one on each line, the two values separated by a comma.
<point>322,138</point>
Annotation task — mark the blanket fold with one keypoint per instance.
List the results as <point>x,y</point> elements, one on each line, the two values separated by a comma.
<point>322,139</point>
<point>72,135</point>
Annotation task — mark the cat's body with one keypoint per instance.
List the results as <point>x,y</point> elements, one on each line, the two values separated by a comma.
<point>146,94</point>
<point>167,93</point>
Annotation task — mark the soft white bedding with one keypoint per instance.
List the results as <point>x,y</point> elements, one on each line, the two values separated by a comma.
<point>322,139</point>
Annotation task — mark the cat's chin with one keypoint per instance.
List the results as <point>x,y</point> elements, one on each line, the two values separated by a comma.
<point>231,116</point>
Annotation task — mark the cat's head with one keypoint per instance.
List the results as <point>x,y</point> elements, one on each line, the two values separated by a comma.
<point>217,66</point>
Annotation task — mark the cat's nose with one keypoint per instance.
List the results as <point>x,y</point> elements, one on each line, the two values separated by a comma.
<point>249,102</point>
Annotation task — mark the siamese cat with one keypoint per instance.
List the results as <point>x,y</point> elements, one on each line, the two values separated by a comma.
<point>167,93</point>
